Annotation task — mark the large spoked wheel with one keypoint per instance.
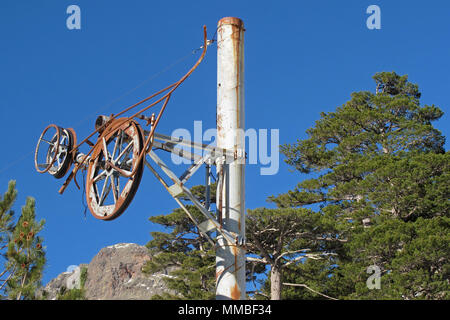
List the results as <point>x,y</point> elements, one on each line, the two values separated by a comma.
<point>52,152</point>
<point>108,191</point>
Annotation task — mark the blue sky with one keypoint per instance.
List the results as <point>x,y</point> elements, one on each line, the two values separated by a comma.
<point>302,58</point>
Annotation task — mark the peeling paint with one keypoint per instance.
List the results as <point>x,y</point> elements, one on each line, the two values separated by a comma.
<point>235,292</point>
<point>124,197</point>
<point>230,125</point>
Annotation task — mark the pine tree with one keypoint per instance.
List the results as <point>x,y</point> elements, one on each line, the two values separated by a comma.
<point>277,238</point>
<point>381,167</point>
<point>184,252</point>
<point>283,238</point>
<point>379,196</point>
<point>6,229</point>
<point>413,257</point>
<point>26,258</point>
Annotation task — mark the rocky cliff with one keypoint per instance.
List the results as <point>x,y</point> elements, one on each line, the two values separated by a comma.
<point>115,273</point>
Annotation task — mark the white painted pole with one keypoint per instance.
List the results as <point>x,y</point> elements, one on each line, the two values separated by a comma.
<point>230,257</point>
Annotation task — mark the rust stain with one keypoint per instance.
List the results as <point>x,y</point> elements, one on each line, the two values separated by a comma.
<point>104,127</point>
<point>237,26</point>
<point>219,124</point>
<point>236,41</point>
<point>231,20</point>
<point>131,128</point>
<point>218,274</point>
<point>239,218</point>
<point>235,253</point>
<point>235,292</point>
<point>56,147</point>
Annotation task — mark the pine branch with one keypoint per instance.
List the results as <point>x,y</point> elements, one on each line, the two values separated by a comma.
<point>290,252</point>
<point>6,280</point>
<point>259,293</point>
<point>314,256</point>
<point>312,290</point>
<point>332,239</point>
<point>266,230</point>
<point>263,251</point>
<point>257,260</point>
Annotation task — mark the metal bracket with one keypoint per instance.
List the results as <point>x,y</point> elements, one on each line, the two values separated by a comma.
<point>167,143</point>
<point>179,185</point>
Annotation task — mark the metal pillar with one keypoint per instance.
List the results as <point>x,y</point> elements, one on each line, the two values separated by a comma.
<point>230,257</point>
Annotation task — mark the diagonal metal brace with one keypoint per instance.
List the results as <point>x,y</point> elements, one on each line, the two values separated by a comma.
<point>193,168</point>
<point>203,230</point>
<point>232,239</point>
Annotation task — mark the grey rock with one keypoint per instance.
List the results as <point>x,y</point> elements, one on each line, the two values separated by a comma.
<point>65,280</point>
<point>115,273</point>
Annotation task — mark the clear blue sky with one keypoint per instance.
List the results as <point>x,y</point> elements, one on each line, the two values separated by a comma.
<point>302,57</point>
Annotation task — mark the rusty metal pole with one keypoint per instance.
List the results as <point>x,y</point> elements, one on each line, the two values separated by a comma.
<point>230,257</point>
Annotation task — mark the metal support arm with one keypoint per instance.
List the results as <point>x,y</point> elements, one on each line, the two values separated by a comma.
<point>179,188</point>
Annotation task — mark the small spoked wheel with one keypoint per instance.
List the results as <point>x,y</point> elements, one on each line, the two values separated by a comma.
<point>52,152</point>
<point>109,191</point>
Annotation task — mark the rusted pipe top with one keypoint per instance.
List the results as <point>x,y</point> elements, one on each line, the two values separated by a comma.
<point>231,20</point>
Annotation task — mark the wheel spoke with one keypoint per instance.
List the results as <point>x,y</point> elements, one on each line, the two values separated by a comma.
<point>124,151</point>
<point>50,155</point>
<point>127,172</point>
<point>126,165</point>
<point>114,188</point>
<point>96,190</point>
<point>100,176</point>
<point>104,194</point>
<point>63,139</point>
<point>105,149</point>
<point>49,142</point>
<point>121,142</point>
<point>117,184</point>
<point>116,144</point>
<point>109,172</point>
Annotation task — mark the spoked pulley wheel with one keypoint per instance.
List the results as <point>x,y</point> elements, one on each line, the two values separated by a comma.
<point>52,152</point>
<point>108,190</point>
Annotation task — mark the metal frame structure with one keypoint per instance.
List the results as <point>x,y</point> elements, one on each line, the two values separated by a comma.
<point>230,257</point>
<point>118,157</point>
<point>178,186</point>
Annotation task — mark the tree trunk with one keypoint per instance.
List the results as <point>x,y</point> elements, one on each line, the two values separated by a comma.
<point>19,295</point>
<point>275,283</point>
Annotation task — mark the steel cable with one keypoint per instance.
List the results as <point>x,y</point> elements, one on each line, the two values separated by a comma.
<point>107,106</point>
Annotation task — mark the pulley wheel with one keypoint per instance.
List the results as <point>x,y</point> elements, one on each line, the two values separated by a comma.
<point>108,191</point>
<point>52,152</point>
